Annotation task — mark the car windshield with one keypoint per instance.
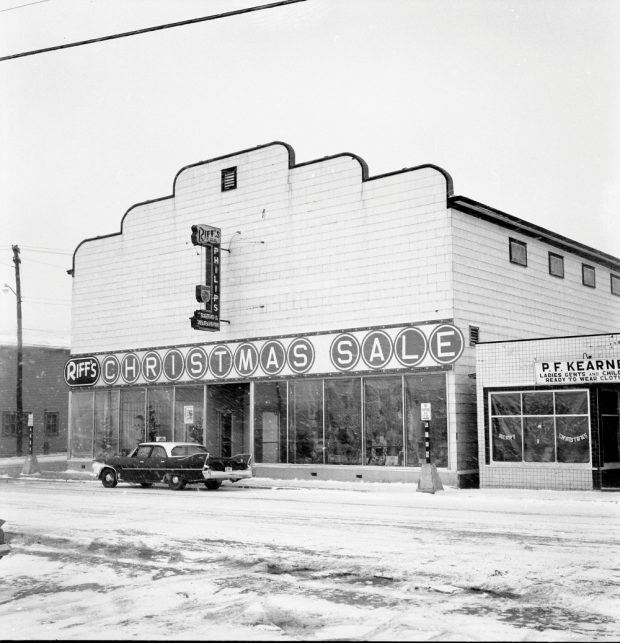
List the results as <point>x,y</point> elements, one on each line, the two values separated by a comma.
<point>188,449</point>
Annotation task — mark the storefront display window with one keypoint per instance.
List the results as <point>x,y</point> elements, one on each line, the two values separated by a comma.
<point>270,422</point>
<point>430,389</point>
<point>343,421</point>
<point>306,422</point>
<point>81,424</point>
<point>159,413</point>
<point>534,426</point>
<point>106,423</point>
<point>507,440</point>
<point>228,419</point>
<point>383,413</point>
<point>133,425</point>
<point>189,414</point>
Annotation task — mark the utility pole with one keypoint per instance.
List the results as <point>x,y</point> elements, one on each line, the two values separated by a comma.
<point>30,464</point>
<point>20,356</point>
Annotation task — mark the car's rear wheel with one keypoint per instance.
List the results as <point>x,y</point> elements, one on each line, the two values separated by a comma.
<point>146,485</point>
<point>212,485</point>
<point>176,482</point>
<point>109,479</point>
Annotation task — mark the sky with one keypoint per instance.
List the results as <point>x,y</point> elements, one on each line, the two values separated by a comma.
<point>516,99</point>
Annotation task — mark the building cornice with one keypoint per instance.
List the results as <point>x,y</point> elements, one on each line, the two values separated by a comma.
<point>487,213</point>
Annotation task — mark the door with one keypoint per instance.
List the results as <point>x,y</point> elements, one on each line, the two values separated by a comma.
<point>154,467</point>
<point>271,436</point>
<point>609,423</point>
<point>226,422</point>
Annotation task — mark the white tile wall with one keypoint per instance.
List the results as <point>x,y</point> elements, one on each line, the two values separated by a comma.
<point>507,364</point>
<point>319,249</point>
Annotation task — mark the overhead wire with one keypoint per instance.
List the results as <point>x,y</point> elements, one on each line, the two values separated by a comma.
<point>20,6</point>
<point>136,32</point>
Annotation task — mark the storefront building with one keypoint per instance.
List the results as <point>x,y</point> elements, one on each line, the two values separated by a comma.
<point>313,316</point>
<point>549,412</point>
<point>45,407</point>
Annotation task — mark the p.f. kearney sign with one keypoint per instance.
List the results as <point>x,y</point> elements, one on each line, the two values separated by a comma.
<point>373,349</point>
<point>578,371</point>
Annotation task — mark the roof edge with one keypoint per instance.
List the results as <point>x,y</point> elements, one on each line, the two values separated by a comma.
<point>488,213</point>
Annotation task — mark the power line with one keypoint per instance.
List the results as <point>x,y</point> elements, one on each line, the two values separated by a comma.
<point>136,32</point>
<point>19,6</point>
<point>52,251</point>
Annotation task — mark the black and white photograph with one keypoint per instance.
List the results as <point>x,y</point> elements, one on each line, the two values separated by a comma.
<point>310,320</point>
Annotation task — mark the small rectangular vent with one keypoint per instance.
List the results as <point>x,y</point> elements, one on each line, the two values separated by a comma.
<point>474,335</point>
<point>229,179</point>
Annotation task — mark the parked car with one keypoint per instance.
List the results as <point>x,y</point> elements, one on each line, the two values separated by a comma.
<point>4,548</point>
<point>174,463</point>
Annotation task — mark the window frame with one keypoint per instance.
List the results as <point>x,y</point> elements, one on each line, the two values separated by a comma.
<point>555,255</point>
<point>521,416</point>
<point>228,172</point>
<point>614,279</point>
<point>584,267</point>
<point>51,431</point>
<point>12,421</point>
<point>515,243</point>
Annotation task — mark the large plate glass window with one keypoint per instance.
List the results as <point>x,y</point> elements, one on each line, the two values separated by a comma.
<point>159,413</point>
<point>106,423</point>
<point>540,426</point>
<point>383,415</point>
<point>189,414</point>
<point>270,404</point>
<point>343,421</point>
<point>426,389</point>
<point>132,419</point>
<point>306,422</point>
<point>228,419</point>
<point>81,424</point>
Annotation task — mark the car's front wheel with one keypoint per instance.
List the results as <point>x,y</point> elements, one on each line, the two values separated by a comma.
<point>212,485</point>
<point>176,482</point>
<point>109,479</point>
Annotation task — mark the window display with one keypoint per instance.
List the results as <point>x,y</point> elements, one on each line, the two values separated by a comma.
<point>429,388</point>
<point>383,404</point>
<point>270,422</point>
<point>537,426</point>
<point>343,421</point>
<point>106,423</point>
<point>159,413</point>
<point>189,414</point>
<point>81,424</point>
<point>133,426</point>
<point>306,422</point>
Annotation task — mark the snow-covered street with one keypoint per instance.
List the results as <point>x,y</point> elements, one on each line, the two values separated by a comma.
<point>276,560</point>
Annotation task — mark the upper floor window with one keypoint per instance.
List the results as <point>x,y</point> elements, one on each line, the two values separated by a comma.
<point>229,179</point>
<point>588,275</point>
<point>518,252</point>
<point>556,265</point>
<point>9,423</point>
<point>615,285</point>
<point>51,423</point>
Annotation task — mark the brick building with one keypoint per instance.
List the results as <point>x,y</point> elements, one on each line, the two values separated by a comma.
<point>337,312</point>
<point>44,395</point>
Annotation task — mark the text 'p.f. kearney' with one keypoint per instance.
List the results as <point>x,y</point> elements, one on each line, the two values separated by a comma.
<point>581,371</point>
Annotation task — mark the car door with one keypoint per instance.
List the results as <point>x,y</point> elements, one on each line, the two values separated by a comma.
<point>134,470</point>
<point>155,465</point>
